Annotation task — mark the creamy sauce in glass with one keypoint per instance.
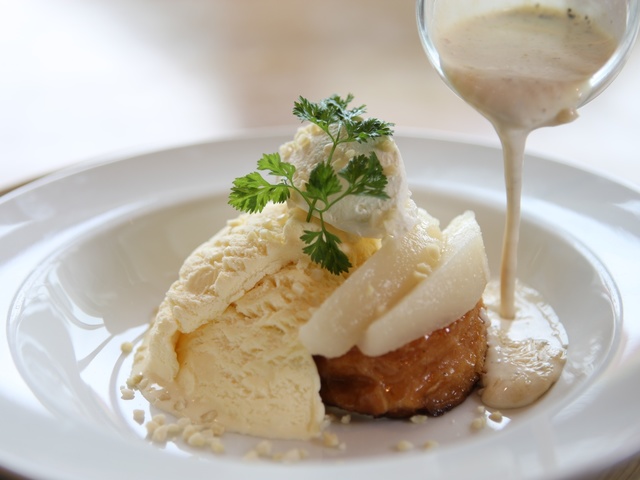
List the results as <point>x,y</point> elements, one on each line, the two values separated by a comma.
<point>522,68</point>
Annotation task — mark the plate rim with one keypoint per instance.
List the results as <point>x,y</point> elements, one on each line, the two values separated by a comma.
<point>277,132</point>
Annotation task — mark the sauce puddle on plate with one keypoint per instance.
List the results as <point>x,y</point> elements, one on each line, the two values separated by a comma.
<point>522,68</point>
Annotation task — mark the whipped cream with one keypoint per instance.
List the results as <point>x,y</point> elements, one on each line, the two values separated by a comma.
<point>357,214</point>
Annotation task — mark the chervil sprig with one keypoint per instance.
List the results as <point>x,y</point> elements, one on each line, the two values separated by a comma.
<point>363,175</point>
<point>252,192</point>
<point>348,124</point>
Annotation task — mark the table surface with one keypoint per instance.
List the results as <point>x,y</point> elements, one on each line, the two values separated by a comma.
<point>86,80</point>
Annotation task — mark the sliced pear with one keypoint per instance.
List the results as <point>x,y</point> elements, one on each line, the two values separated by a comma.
<point>388,275</point>
<point>451,290</point>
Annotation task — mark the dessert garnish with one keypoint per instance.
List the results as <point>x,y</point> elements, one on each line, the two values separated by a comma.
<point>363,175</point>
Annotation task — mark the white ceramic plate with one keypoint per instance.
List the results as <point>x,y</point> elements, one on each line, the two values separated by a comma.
<point>87,254</point>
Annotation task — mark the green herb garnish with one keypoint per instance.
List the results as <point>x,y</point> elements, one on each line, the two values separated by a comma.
<point>363,175</point>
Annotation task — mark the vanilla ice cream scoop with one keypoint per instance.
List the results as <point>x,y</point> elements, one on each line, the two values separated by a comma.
<point>358,214</point>
<point>224,345</point>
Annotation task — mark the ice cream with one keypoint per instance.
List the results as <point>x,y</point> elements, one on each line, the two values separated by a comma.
<point>224,345</point>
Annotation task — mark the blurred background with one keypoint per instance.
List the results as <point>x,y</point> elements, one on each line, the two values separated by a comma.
<point>84,79</point>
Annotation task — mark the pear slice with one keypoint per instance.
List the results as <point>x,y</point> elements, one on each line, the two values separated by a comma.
<point>452,289</point>
<point>388,275</point>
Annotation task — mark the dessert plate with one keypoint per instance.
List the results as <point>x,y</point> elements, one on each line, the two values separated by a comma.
<point>88,253</point>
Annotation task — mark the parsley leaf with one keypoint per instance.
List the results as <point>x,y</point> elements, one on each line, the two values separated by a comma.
<point>322,183</point>
<point>334,111</point>
<point>363,175</point>
<point>322,247</point>
<point>272,163</point>
<point>251,193</point>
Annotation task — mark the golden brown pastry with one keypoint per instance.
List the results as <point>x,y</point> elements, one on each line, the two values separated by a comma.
<point>430,375</point>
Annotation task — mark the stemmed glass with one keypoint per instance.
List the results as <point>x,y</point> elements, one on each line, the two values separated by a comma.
<point>520,86</point>
<point>620,18</point>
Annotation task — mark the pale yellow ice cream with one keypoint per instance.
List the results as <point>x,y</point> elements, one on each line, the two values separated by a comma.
<point>224,346</point>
